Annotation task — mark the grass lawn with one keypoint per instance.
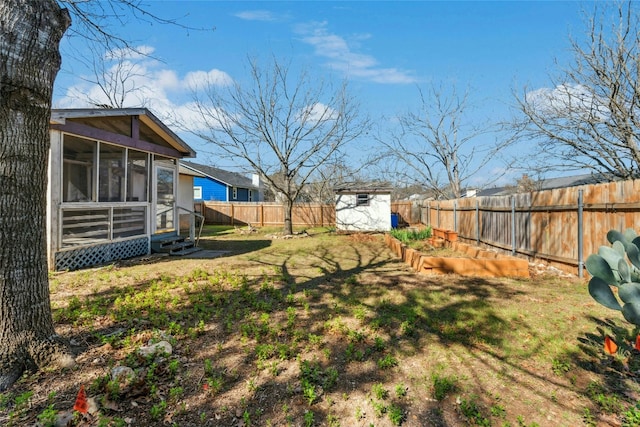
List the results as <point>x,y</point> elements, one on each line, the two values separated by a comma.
<point>327,330</point>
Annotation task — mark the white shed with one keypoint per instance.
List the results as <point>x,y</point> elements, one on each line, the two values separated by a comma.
<point>363,208</point>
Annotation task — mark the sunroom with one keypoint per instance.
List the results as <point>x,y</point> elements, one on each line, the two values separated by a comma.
<point>113,185</point>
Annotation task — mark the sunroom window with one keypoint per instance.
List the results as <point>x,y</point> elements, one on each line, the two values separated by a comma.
<point>111,175</point>
<point>78,172</point>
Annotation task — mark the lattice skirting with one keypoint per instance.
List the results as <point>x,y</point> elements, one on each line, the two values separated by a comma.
<point>101,254</point>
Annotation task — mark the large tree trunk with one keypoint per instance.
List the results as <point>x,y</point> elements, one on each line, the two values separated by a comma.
<point>30,33</point>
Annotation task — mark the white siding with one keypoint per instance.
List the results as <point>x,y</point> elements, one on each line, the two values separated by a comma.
<point>376,216</point>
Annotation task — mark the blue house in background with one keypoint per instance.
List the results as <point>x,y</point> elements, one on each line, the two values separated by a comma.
<point>213,184</point>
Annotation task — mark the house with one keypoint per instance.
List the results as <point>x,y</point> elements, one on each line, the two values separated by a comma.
<point>363,208</point>
<point>113,185</point>
<point>216,184</point>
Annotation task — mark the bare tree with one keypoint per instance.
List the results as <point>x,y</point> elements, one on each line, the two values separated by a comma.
<point>591,117</point>
<point>437,146</point>
<point>30,34</point>
<point>331,174</point>
<point>115,75</point>
<point>283,127</point>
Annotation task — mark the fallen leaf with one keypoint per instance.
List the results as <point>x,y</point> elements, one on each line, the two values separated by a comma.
<point>81,401</point>
<point>637,346</point>
<point>610,346</point>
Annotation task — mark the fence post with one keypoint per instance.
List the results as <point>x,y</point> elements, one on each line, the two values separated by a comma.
<point>580,234</point>
<point>438,215</point>
<point>455,216</point>
<point>477,222</point>
<point>232,215</point>
<point>428,216</point>
<point>513,225</point>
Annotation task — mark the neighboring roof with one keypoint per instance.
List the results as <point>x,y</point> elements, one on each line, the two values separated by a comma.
<point>360,187</point>
<point>232,179</point>
<point>549,184</point>
<point>117,120</point>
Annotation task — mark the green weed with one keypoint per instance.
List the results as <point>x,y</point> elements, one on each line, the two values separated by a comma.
<point>401,390</point>
<point>631,417</point>
<point>560,366</point>
<point>472,412</point>
<point>47,418</point>
<point>608,403</point>
<point>308,419</point>
<point>396,415</point>
<point>387,362</point>
<point>158,410</point>
<point>442,385</point>
<point>379,391</point>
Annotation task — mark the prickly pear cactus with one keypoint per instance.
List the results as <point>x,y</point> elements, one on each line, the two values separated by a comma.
<point>617,266</point>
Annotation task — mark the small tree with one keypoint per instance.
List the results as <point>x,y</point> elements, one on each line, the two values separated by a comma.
<point>591,117</point>
<point>284,127</point>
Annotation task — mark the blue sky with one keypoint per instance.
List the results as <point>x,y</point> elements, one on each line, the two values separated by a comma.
<point>384,49</point>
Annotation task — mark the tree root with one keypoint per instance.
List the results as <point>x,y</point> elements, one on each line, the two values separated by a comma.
<point>32,354</point>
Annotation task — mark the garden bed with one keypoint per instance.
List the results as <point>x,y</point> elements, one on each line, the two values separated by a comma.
<point>467,261</point>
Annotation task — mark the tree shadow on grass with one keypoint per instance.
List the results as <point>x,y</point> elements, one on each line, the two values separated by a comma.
<point>259,346</point>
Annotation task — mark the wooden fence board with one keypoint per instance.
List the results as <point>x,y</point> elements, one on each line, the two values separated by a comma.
<point>272,214</point>
<point>546,222</point>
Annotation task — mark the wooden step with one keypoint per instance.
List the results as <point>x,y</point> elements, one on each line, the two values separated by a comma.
<point>173,245</point>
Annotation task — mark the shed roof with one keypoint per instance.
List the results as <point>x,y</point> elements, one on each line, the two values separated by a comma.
<point>363,187</point>
<point>118,121</point>
<point>232,179</point>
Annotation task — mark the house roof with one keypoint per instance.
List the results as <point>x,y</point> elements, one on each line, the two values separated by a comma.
<point>118,121</point>
<point>549,184</point>
<point>232,179</point>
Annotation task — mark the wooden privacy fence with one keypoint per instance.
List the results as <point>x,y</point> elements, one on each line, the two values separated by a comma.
<point>272,214</point>
<point>563,226</point>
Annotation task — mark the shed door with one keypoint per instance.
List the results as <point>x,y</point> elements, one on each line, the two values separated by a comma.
<point>165,202</point>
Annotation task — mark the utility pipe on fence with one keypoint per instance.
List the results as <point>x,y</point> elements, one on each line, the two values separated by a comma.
<point>455,216</point>
<point>477,222</point>
<point>513,226</point>
<point>580,234</point>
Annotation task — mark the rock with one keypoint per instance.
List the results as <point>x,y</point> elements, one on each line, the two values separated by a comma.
<point>123,374</point>
<point>92,406</point>
<point>162,347</point>
<point>63,419</point>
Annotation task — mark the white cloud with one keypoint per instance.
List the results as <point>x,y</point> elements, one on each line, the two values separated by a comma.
<point>257,15</point>
<point>567,99</point>
<point>198,79</point>
<point>342,57</point>
<point>147,84</point>
<point>316,113</point>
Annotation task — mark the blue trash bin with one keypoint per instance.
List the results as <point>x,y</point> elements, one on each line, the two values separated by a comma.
<point>394,220</point>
